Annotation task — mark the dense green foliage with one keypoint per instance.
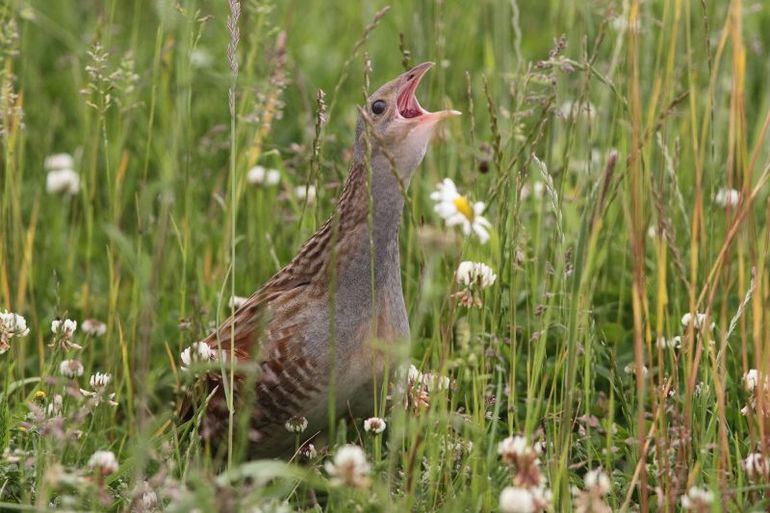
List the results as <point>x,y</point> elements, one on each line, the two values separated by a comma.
<point>603,136</point>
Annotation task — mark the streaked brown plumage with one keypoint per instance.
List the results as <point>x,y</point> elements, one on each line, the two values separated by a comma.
<point>285,326</point>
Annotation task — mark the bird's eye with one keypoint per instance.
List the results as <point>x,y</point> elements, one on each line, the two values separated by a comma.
<point>378,107</point>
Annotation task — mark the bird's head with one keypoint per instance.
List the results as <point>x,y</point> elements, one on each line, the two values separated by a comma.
<point>398,125</point>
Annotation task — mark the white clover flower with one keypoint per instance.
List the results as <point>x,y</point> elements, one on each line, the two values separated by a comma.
<point>64,181</point>
<point>698,320</point>
<point>258,175</point>
<point>71,368</point>
<point>631,369</point>
<point>103,462</point>
<point>435,382</point>
<point>598,481</point>
<point>305,192</point>
<point>296,424</point>
<point>349,467</point>
<point>99,381</point>
<point>54,408</point>
<point>756,466</point>
<point>198,352</point>
<point>513,448</point>
<point>11,325</point>
<point>93,327</point>
<point>517,500</point>
<point>374,425</point>
<point>751,379</point>
<point>58,161</point>
<point>697,499</point>
<point>673,343</point>
<point>475,274</point>
<point>236,302</point>
<point>308,452</point>
<point>727,198</point>
<point>65,328</point>
<point>458,210</point>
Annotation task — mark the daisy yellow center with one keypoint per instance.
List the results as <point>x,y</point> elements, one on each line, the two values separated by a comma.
<point>464,207</point>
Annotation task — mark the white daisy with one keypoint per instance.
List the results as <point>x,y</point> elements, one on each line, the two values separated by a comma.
<point>456,210</point>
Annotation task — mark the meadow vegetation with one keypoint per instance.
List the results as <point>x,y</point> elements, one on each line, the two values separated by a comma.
<point>162,158</point>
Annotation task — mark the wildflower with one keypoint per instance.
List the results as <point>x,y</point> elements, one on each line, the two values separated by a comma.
<point>698,499</point>
<point>93,327</point>
<point>58,161</point>
<point>513,448</point>
<point>673,343</point>
<point>54,408</point>
<point>198,352</point>
<point>591,500</point>
<point>349,467</point>
<point>521,500</point>
<point>374,425</point>
<point>756,466</point>
<point>727,198</point>
<point>236,302</point>
<point>631,369</point>
<point>65,181</point>
<point>99,381</point>
<point>296,424</point>
<point>258,175</point>
<point>751,379</point>
<point>458,210</point>
<point>71,368</point>
<point>305,192</point>
<point>307,452</point>
<point>65,328</point>
<point>698,320</point>
<point>475,274</point>
<point>103,462</point>
<point>517,453</point>
<point>11,325</point>
<point>597,480</point>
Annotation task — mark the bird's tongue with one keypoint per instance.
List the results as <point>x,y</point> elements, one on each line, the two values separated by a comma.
<point>408,106</point>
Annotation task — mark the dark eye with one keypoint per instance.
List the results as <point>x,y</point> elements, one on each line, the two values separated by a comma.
<point>378,107</point>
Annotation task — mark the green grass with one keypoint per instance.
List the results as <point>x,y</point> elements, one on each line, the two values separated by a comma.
<point>626,129</point>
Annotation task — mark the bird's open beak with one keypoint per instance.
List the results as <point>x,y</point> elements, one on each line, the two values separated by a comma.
<point>408,106</point>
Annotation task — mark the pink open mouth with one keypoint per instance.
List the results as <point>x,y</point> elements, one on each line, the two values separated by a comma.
<point>407,103</point>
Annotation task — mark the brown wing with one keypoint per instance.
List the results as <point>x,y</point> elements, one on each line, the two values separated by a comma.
<point>271,329</point>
